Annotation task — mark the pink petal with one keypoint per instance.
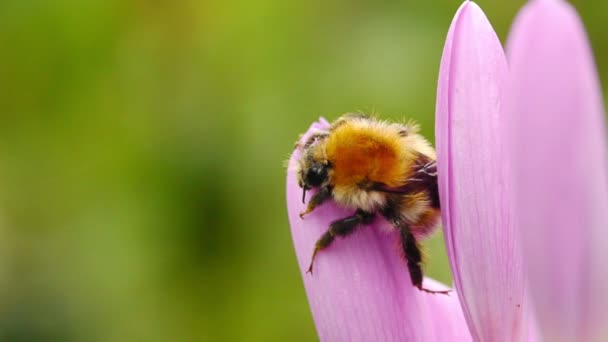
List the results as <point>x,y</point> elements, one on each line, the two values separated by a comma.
<point>361,290</point>
<point>559,157</point>
<point>473,180</point>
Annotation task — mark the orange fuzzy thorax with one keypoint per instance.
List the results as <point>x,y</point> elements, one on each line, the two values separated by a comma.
<point>367,152</point>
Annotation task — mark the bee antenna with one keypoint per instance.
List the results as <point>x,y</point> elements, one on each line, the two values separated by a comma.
<point>304,194</point>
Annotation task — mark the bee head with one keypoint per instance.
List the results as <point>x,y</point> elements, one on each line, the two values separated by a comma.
<point>315,175</point>
<point>312,174</point>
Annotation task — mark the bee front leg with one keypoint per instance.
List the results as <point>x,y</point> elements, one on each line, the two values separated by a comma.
<point>341,228</point>
<point>319,198</point>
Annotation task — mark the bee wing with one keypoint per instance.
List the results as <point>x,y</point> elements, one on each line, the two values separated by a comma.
<point>423,179</point>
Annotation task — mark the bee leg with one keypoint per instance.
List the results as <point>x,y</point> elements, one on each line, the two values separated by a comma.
<point>341,228</point>
<point>319,198</point>
<point>413,257</point>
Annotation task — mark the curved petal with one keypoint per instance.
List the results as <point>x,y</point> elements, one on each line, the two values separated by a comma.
<point>473,183</point>
<point>360,290</point>
<point>560,160</point>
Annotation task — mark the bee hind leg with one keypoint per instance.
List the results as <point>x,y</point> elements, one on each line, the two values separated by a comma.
<point>413,257</point>
<point>341,228</point>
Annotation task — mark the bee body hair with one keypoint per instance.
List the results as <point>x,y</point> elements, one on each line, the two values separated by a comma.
<point>374,166</point>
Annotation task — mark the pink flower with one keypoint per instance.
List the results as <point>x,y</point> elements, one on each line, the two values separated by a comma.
<point>556,134</point>
<point>474,181</point>
<point>523,180</point>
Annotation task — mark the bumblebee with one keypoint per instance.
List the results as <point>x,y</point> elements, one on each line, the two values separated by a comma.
<point>373,167</point>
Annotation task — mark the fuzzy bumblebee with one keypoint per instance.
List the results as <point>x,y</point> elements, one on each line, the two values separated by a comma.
<point>373,167</point>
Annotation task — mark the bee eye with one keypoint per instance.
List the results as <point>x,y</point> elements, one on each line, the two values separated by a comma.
<point>316,175</point>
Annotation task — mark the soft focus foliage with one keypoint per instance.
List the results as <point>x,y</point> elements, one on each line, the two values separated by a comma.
<point>141,150</point>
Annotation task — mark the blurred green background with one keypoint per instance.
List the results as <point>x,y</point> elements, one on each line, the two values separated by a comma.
<point>142,147</point>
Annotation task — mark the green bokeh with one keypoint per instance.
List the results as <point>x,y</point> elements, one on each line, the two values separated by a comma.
<point>142,146</point>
